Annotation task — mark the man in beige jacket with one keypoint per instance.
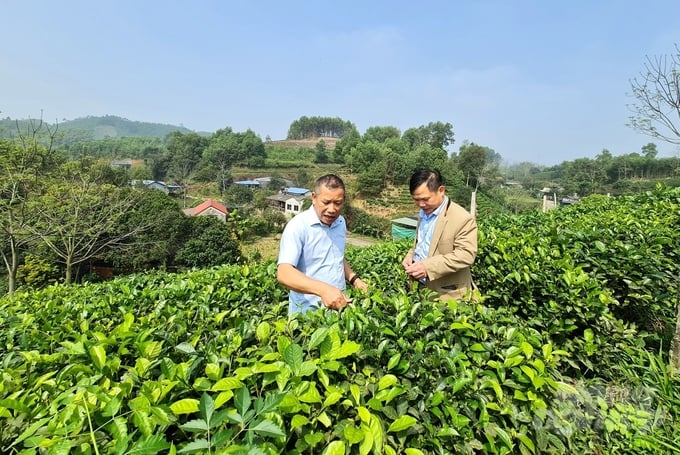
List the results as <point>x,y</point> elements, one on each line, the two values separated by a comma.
<point>446,239</point>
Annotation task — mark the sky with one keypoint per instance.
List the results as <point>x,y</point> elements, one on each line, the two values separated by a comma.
<point>538,81</point>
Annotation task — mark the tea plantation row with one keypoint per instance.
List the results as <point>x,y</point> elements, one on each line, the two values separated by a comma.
<point>565,352</point>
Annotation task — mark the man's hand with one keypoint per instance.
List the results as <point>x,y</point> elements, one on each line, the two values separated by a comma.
<point>408,260</point>
<point>361,285</point>
<point>334,299</point>
<point>416,270</point>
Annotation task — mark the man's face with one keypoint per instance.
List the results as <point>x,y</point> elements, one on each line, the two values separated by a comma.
<point>328,204</point>
<point>426,199</point>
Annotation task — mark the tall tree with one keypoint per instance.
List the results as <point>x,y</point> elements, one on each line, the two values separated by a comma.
<point>471,161</point>
<point>155,247</point>
<point>435,134</point>
<point>79,220</point>
<point>381,133</point>
<point>220,154</point>
<point>185,152</point>
<point>657,90</point>
<point>24,166</point>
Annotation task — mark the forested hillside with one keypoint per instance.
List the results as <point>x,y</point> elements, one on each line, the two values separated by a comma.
<point>93,127</point>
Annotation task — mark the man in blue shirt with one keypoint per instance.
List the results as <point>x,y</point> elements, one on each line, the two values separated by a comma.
<point>312,260</point>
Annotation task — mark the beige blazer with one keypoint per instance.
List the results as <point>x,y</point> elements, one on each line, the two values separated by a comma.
<point>453,250</point>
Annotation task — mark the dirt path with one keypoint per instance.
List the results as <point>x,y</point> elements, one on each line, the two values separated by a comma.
<point>360,241</point>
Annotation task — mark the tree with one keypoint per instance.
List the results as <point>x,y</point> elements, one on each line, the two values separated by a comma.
<point>79,220</point>
<point>320,156</point>
<point>345,144</point>
<point>221,154</point>
<point>211,244</point>
<point>584,176</point>
<point>435,134</point>
<point>185,152</point>
<point>24,166</point>
<point>471,161</point>
<point>156,246</point>
<point>657,90</point>
<point>381,134</point>
<point>308,127</point>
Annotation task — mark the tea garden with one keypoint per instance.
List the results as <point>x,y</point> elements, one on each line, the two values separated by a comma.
<point>565,352</point>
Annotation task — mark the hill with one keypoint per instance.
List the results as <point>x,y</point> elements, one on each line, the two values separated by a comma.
<point>93,127</point>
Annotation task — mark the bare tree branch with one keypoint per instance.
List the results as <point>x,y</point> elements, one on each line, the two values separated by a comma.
<point>657,90</point>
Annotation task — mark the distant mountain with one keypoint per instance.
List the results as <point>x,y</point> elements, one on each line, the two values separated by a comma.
<point>93,128</point>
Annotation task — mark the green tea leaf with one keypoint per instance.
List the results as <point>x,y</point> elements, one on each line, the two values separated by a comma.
<point>317,337</point>
<point>292,355</point>
<point>402,423</point>
<point>185,348</point>
<point>335,448</point>
<point>394,361</point>
<point>387,381</point>
<point>98,356</point>
<point>185,406</point>
<point>226,384</point>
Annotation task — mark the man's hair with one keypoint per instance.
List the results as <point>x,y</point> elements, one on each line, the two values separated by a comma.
<point>330,181</point>
<point>432,177</point>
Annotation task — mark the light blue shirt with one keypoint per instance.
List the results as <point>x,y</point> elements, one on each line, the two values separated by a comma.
<point>316,250</point>
<point>425,231</point>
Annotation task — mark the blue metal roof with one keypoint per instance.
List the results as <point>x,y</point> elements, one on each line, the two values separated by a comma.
<point>294,190</point>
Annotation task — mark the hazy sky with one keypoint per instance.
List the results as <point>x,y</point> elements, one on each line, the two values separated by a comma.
<point>542,81</point>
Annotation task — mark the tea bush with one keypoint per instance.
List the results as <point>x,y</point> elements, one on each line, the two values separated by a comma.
<point>550,360</point>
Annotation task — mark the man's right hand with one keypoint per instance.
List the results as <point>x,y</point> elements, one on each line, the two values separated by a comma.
<point>334,299</point>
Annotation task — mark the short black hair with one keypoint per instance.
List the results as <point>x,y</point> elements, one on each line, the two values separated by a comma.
<point>433,178</point>
<point>330,181</point>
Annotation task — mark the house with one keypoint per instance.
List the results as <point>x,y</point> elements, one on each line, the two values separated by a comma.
<point>293,191</point>
<point>248,183</point>
<point>162,186</point>
<point>209,208</point>
<point>289,200</point>
<point>265,182</point>
<point>404,228</point>
<point>290,205</point>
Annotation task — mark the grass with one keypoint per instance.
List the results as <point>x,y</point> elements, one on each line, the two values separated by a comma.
<point>262,249</point>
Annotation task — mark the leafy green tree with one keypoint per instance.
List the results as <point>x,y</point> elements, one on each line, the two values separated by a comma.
<point>221,153</point>
<point>156,246</point>
<point>78,219</point>
<point>435,134</point>
<point>381,134</point>
<point>251,149</point>
<point>211,244</point>
<point>471,161</point>
<point>140,173</point>
<point>363,155</point>
<point>25,164</point>
<point>238,195</point>
<point>346,143</point>
<point>398,161</point>
<point>309,127</point>
<point>583,176</point>
<point>321,154</point>
<point>185,151</point>
<point>428,157</point>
